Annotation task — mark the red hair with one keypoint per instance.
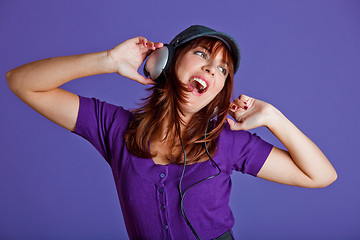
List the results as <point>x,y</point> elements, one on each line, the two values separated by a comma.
<point>163,106</point>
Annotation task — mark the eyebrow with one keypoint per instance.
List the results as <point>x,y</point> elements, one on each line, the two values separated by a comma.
<point>204,48</point>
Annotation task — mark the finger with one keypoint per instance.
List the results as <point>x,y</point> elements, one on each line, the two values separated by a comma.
<point>248,101</point>
<point>146,43</point>
<point>238,116</point>
<point>159,45</point>
<point>231,112</point>
<point>142,41</point>
<point>244,97</point>
<point>150,45</point>
<point>241,104</point>
<point>156,47</point>
<point>235,111</point>
<point>235,107</point>
<point>234,126</point>
<point>143,80</point>
<point>148,81</point>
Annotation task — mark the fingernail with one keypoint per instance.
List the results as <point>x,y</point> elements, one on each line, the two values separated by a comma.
<point>245,102</point>
<point>234,107</point>
<point>246,107</point>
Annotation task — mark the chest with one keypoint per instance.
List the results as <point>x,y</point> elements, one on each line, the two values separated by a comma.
<point>163,151</point>
<point>143,181</point>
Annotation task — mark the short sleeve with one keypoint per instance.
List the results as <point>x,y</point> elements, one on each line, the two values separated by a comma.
<point>102,124</point>
<point>246,152</point>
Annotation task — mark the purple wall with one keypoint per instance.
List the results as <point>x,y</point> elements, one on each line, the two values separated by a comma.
<point>302,56</point>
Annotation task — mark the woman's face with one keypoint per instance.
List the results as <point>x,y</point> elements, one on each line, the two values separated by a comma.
<point>203,74</point>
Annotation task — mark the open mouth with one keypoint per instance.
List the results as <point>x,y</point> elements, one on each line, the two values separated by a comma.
<point>198,85</point>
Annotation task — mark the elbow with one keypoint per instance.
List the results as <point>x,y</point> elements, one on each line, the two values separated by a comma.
<point>332,179</point>
<point>13,82</point>
<point>8,77</point>
<point>326,181</point>
<point>10,80</point>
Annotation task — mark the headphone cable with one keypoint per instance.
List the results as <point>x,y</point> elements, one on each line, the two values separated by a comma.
<point>182,195</point>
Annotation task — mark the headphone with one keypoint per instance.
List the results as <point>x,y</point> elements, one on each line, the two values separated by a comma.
<point>159,61</point>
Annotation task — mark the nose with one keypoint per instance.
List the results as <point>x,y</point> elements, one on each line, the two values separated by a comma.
<point>209,68</point>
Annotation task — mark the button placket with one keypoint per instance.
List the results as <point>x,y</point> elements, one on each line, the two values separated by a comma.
<point>162,176</point>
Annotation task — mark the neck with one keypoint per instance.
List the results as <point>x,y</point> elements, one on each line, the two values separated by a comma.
<point>185,119</point>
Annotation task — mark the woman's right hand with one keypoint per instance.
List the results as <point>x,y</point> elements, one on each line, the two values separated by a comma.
<point>37,83</point>
<point>128,56</point>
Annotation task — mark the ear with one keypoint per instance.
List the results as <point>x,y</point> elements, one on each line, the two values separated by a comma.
<point>158,62</point>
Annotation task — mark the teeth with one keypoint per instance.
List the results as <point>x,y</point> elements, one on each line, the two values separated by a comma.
<point>202,82</point>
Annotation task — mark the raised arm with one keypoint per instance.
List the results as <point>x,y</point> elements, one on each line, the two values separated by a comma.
<point>37,83</point>
<point>303,164</point>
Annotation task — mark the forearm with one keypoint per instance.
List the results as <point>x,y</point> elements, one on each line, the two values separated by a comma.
<point>48,74</point>
<point>304,153</point>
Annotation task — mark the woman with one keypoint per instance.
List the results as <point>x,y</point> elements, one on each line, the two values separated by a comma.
<point>181,140</point>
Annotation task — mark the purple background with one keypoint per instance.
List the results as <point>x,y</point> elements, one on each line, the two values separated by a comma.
<point>301,56</point>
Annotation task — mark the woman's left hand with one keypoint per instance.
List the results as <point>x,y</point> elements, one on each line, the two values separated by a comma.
<point>249,113</point>
<point>303,164</point>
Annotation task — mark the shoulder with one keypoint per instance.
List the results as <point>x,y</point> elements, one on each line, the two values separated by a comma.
<point>239,138</point>
<point>98,116</point>
<point>244,151</point>
<point>102,108</point>
<point>229,136</point>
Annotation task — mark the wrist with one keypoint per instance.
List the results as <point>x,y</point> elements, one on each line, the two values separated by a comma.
<point>274,117</point>
<point>106,62</point>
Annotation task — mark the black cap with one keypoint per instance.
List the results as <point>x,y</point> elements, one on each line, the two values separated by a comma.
<point>196,31</point>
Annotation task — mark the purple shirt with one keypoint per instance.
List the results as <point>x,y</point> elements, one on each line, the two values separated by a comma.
<point>148,193</point>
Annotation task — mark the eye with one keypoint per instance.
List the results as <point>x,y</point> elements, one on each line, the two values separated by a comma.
<point>223,70</point>
<point>201,54</point>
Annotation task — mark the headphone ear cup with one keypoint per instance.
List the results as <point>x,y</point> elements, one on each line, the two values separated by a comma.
<point>158,62</point>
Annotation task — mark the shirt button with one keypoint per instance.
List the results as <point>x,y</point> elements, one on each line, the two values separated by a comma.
<point>162,175</point>
<point>162,207</point>
<point>161,190</point>
<point>166,227</point>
